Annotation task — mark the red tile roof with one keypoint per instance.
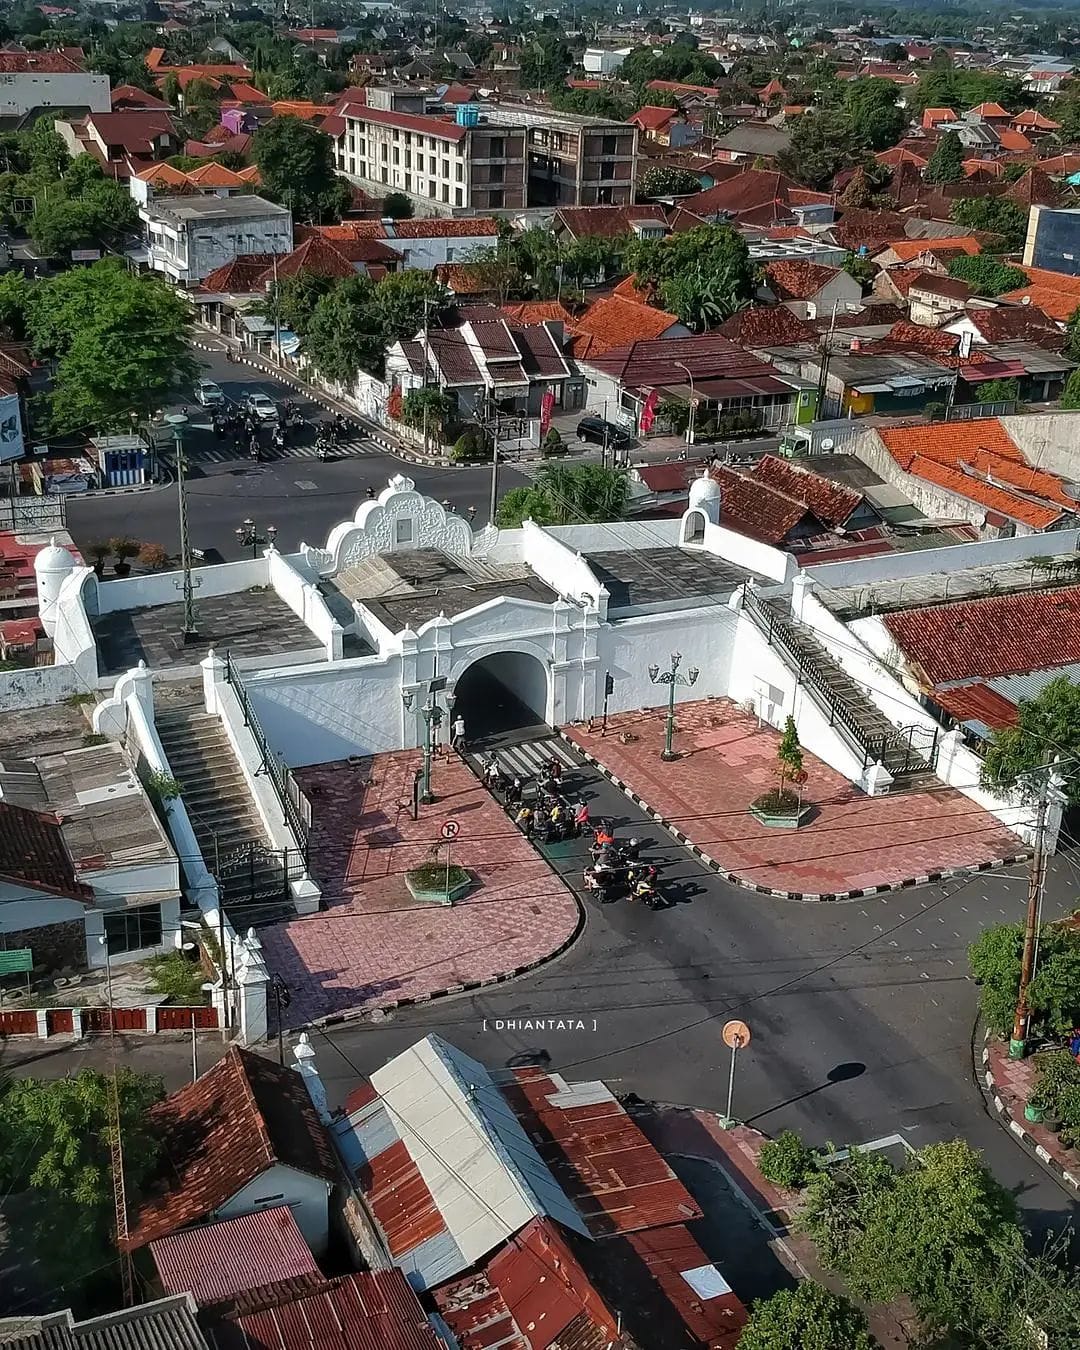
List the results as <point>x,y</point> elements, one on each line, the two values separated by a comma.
<point>537,311</point>
<point>1066,163</point>
<point>766,326</point>
<point>978,703</point>
<point>132,94</point>
<point>218,1261</point>
<point>432,228</point>
<point>909,249</point>
<point>1012,140</point>
<point>39,63</point>
<point>932,116</point>
<point>649,118</point>
<point>980,461</point>
<point>709,356</point>
<point>985,110</point>
<point>533,1294</point>
<point>607,221</point>
<point>674,87</point>
<point>316,255</point>
<point>1057,293</point>
<point>1017,323</point>
<point>900,155</point>
<point>756,508</point>
<point>996,636</point>
<point>238,277</point>
<point>752,191</point>
<point>376,1310</point>
<point>135,130</point>
<point>667,1254</point>
<point>614,322</point>
<point>796,279</point>
<point>832,502</point>
<point>612,1173</point>
<point>238,1120</point>
<point>33,852</point>
<point>1031,117</point>
<point>439,127</point>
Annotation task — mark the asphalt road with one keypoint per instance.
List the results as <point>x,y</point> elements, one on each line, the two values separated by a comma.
<point>302,496</point>
<point>862,1013</point>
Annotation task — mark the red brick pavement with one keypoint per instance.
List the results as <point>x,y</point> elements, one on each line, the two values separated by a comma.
<point>852,841</point>
<point>374,947</point>
<point>1013,1081</point>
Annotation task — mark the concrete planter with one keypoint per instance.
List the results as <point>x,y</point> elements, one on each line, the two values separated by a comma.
<point>1033,1113</point>
<point>429,891</point>
<point>781,820</point>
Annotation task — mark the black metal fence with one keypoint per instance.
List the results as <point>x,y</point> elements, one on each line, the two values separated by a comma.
<point>295,806</point>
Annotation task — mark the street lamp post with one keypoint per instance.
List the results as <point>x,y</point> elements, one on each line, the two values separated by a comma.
<point>693,401</point>
<point>433,716</point>
<point>190,630</point>
<point>248,533</point>
<point>673,680</point>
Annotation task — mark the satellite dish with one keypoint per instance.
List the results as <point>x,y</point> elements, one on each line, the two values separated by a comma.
<point>1025,299</point>
<point>828,443</point>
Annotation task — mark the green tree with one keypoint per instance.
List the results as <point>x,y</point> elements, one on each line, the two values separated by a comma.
<point>822,144</point>
<point>871,105</point>
<point>988,274</point>
<point>1072,336</point>
<point>121,343</point>
<point>401,300</point>
<point>668,181</point>
<point>291,301</point>
<point>789,753</point>
<point>859,267</point>
<point>48,152</point>
<point>701,276</point>
<point>566,495</point>
<point>16,293</point>
<point>1047,725</point>
<point>947,162</point>
<point>1054,993</point>
<point>58,227</point>
<point>55,1141</point>
<point>344,334</point>
<point>995,215</point>
<point>296,163</point>
<point>397,206</point>
<point>1070,395</point>
<point>808,1317</point>
<point>999,391</point>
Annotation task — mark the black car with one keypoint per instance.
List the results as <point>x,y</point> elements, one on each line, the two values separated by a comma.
<point>598,431</point>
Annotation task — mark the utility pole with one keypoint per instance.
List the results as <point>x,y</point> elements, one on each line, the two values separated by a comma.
<point>1036,881</point>
<point>190,630</point>
<point>277,314</point>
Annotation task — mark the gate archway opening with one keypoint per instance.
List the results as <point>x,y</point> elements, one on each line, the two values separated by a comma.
<point>506,691</point>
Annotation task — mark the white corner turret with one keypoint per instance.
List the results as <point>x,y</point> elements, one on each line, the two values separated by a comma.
<point>52,566</point>
<point>706,497</point>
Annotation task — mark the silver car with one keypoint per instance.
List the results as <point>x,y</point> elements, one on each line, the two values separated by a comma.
<point>209,394</point>
<point>263,408</point>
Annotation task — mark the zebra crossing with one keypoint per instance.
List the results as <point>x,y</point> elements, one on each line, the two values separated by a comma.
<point>528,759</point>
<point>225,452</point>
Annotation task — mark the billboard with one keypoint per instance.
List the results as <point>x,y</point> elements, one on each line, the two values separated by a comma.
<point>11,431</point>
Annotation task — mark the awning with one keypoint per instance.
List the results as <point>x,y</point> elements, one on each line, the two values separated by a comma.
<point>872,388</point>
<point>993,370</point>
<point>255,323</point>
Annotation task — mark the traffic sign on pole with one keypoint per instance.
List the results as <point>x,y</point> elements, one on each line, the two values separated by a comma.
<point>736,1036</point>
<point>450,829</point>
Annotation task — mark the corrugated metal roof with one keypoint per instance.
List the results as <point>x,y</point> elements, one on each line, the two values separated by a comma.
<point>615,1176</point>
<point>486,1178</point>
<point>670,1254</point>
<point>234,1256</point>
<point>165,1324</point>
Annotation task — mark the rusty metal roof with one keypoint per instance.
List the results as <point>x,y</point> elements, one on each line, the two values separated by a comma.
<point>712,1314</point>
<point>236,1256</point>
<point>616,1178</point>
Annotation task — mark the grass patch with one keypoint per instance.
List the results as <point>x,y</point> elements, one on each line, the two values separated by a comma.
<point>432,877</point>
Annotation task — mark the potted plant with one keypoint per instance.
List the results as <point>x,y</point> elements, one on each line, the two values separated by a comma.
<point>781,808</point>
<point>154,557</point>
<point>99,552</point>
<point>123,549</point>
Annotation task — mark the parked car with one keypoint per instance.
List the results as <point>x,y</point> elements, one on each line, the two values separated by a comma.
<point>263,407</point>
<point>599,432</point>
<point>209,394</point>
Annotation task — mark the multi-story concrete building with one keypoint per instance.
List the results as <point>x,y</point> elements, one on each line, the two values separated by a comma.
<point>187,238</point>
<point>491,159</point>
<point>32,80</point>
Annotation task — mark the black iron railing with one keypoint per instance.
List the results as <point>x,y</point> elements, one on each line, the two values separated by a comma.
<point>812,674</point>
<point>295,806</point>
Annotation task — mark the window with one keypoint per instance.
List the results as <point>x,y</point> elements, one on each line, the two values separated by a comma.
<point>384,154</point>
<point>459,175</point>
<point>446,193</point>
<point>361,146</point>
<point>609,145</point>
<point>408,160</point>
<point>397,155</point>
<point>495,197</point>
<point>496,147</point>
<point>457,197</point>
<point>385,175</point>
<point>408,183</point>
<point>131,930</point>
<point>446,168</point>
<point>496,173</point>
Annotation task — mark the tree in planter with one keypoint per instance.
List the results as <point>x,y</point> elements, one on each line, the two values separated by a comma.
<point>123,548</point>
<point>789,755</point>
<point>154,557</point>
<point>553,443</point>
<point>99,551</point>
<point>469,446</point>
<point>808,1316</point>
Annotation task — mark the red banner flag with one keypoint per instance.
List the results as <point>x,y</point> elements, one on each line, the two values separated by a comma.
<point>648,411</point>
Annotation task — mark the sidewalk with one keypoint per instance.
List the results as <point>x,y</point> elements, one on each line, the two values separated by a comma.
<point>374,946</point>
<point>850,845</point>
<point>1009,1083</point>
<point>681,1132</point>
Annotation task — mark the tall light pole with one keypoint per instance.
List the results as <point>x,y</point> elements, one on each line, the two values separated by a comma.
<point>673,680</point>
<point>433,716</point>
<point>190,630</point>
<point>693,402</point>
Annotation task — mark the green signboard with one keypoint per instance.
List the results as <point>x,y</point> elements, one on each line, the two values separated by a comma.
<point>16,960</point>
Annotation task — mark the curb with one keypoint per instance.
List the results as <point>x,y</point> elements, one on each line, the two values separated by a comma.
<point>733,878</point>
<point>1066,1179</point>
<point>468,986</point>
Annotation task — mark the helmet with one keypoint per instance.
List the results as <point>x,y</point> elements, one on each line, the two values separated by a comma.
<point>633,843</point>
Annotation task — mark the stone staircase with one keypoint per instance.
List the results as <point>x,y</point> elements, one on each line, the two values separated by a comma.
<point>252,874</point>
<point>843,699</point>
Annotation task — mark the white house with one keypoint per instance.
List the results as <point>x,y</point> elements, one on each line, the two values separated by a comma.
<point>187,238</point>
<point>32,80</point>
<point>604,60</point>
